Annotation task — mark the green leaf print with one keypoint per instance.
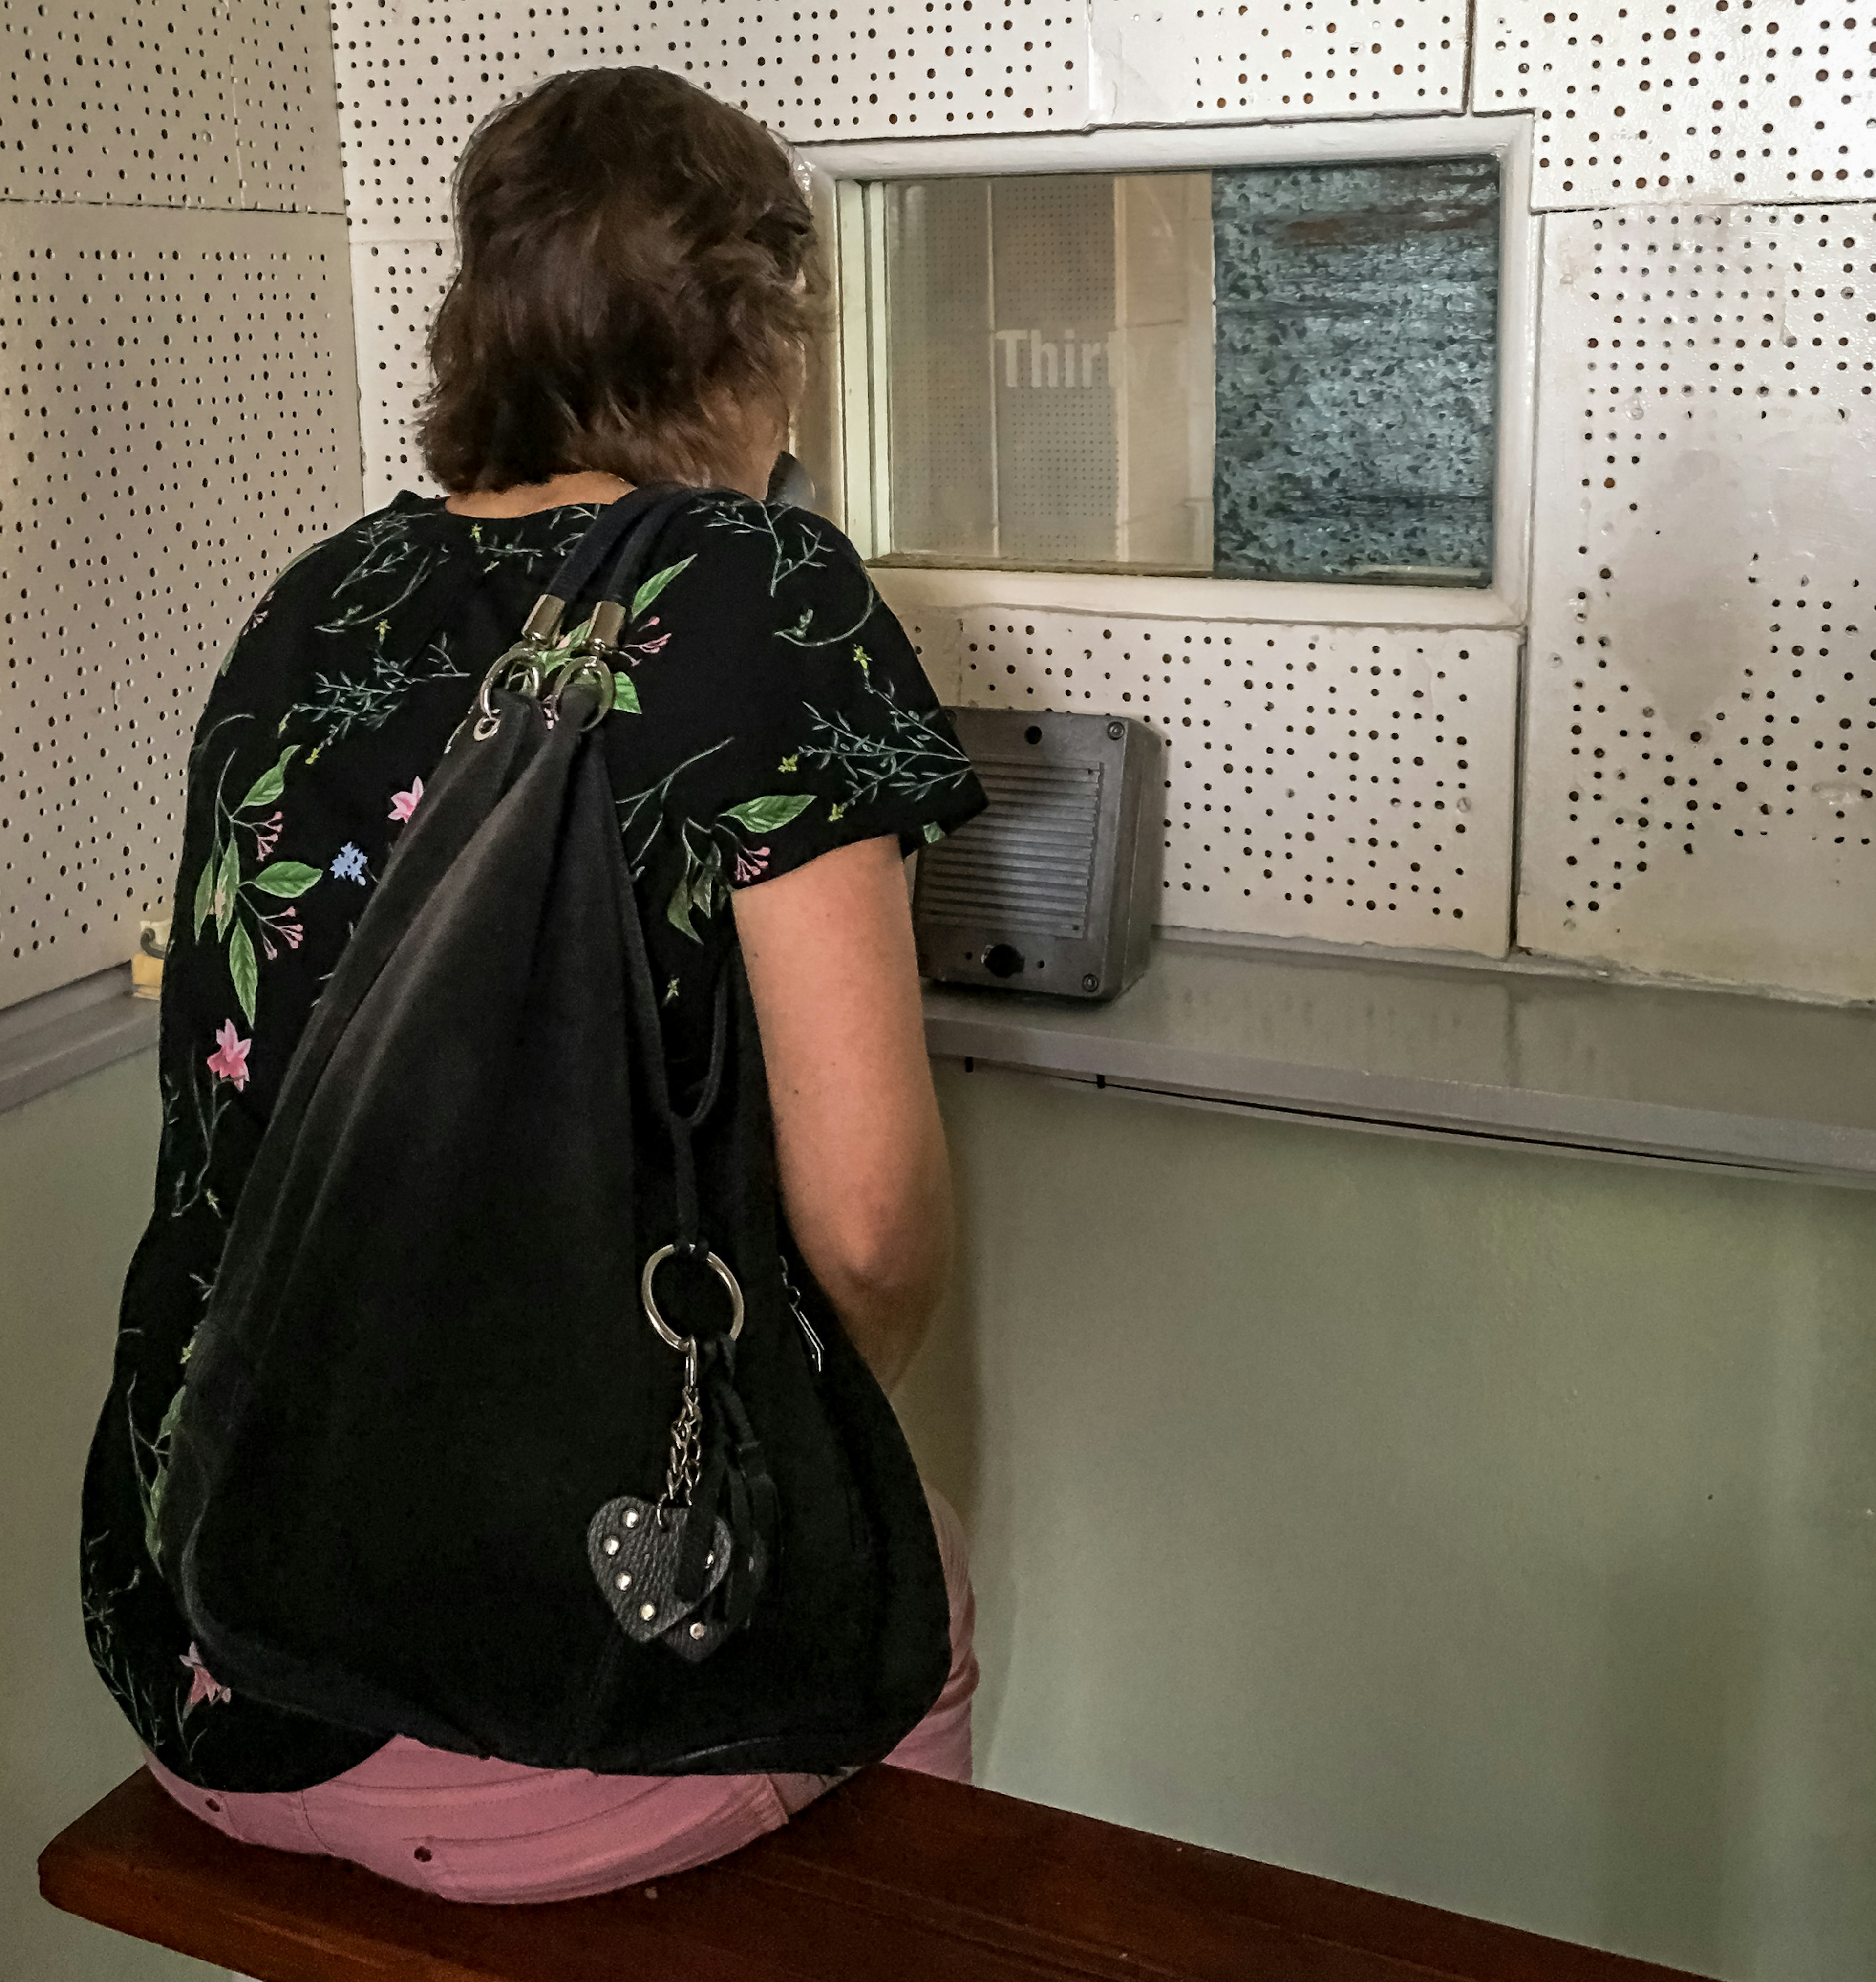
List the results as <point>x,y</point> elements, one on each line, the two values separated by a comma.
<point>204,891</point>
<point>243,968</point>
<point>575,642</point>
<point>709,878</point>
<point>764,815</point>
<point>624,694</point>
<point>270,784</point>
<point>159,1479</point>
<point>934,832</point>
<point>248,915</point>
<point>227,887</point>
<point>287,879</point>
<point>653,586</point>
<point>677,910</point>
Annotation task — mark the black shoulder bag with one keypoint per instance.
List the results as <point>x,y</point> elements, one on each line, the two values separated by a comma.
<point>516,1423</point>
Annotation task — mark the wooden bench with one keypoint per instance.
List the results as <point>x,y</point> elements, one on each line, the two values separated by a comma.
<point>893,1878</point>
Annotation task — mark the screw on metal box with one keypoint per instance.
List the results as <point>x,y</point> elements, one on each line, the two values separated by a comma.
<point>1054,887</point>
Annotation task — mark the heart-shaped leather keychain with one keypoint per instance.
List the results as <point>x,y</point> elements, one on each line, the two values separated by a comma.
<point>661,1581</point>
<point>635,1547</point>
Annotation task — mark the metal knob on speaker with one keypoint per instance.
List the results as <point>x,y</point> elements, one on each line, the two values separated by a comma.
<point>1054,887</point>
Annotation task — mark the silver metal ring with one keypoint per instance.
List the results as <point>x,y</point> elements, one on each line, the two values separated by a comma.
<point>521,660</point>
<point>666,1334</point>
<point>604,680</point>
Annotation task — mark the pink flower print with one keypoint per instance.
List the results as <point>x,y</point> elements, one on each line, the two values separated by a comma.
<point>203,1686</point>
<point>750,863</point>
<point>229,1060</point>
<point>404,804</point>
<point>266,837</point>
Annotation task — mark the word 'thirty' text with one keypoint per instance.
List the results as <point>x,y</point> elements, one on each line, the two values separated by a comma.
<point>1067,363</point>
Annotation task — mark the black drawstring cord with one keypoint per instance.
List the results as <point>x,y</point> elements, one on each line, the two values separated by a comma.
<point>734,1482</point>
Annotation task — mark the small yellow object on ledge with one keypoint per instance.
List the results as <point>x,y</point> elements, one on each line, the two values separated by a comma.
<point>146,966</point>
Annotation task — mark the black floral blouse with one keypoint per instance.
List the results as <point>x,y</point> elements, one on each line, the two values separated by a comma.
<point>770,710</point>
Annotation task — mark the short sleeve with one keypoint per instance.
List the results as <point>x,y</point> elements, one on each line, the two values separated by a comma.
<point>869,750</point>
<point>812,721</point>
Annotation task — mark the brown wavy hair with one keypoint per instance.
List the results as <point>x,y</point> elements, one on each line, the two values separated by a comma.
<point>637,263</point>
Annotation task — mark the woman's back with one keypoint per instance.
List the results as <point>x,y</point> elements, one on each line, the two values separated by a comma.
<point>770,710</point>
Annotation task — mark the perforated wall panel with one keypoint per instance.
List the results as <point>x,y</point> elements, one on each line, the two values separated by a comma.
<point>179,408</point>
<point>1715,100</point>
<point>1350,783</point>
<point>1700,756</point>
<point>186,103</point>
<point>396,286</point>
<point>414,80</point>
<point>1178,62</point>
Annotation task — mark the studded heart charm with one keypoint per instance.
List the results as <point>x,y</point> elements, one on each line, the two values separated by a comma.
<point>635,1553</point>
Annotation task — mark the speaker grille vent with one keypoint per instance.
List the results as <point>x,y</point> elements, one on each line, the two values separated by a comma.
<point>1027,862</point>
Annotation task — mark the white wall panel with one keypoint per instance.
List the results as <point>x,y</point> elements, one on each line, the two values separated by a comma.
<point>1176,62</point>
<point>396,286</point>
<point>284,110</point>
<point>1701,751</point>
<point>414,81</point>
<point>179,413</point>
<point>190,103</point>
<point>1714,100</point>
<point>1350,783</point>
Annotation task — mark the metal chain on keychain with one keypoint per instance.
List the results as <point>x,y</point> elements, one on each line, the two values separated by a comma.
<point>686,1442</point>
<point>635,1545</point>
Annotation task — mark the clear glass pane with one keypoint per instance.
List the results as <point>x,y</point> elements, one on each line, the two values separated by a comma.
<point>1049,371</point>
<point>1063,392</point>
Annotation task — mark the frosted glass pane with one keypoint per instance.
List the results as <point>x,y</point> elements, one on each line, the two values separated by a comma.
<point>1049,371</point>
<point>1357,309</point>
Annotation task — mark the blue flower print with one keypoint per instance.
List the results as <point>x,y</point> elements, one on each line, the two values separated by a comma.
<point>348,865</point>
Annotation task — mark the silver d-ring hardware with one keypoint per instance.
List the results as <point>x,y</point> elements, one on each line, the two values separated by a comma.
<point>519,670</point>
<point>603,678</point>
<point>666,1334</point>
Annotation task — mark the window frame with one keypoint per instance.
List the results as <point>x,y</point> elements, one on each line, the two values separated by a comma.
<point>841,431</point>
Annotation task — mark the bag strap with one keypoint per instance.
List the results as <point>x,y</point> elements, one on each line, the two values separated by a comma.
<point>735,1481</point>
<point>578,567</point>
<point>641,523</point>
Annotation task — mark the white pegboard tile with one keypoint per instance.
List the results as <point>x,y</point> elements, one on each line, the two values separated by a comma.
<point>1699,785</point>
<point>121,103</point>
<point>180,417</point>
<point>396,286</point>
<point>1178,62</point>
<point>889,66</point>
<point>182,103</point>
<point>1350,783</point>
<point>414,80</point>
<point>286,114</point>
<point>1702,99</point>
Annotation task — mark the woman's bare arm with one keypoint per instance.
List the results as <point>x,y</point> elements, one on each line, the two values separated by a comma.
<point>828,948</point>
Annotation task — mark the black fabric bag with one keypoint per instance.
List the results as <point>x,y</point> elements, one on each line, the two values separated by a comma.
<point>427,1418</point>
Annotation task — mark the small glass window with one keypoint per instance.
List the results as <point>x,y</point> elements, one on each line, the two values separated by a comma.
<point>1255,371</point>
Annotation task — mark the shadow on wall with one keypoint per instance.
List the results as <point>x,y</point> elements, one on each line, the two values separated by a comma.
<point>75,1167</point>
<point>938,1402</point>
<point>1489,1528</point>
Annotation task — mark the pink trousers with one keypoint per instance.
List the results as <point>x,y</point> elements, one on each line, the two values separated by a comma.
<point>468,1828</point>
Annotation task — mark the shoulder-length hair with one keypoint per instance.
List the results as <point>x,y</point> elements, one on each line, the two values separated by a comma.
<point>636,264</point>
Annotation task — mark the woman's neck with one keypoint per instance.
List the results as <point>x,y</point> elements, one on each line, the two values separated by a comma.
<point>752,440</point>
<point>525,497</point>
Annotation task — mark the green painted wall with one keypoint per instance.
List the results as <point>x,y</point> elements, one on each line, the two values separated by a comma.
<point>1493,1528</point>
<point>1496,1529</point>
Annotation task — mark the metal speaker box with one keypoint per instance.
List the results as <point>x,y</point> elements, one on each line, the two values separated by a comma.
<point>1054,887</point>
